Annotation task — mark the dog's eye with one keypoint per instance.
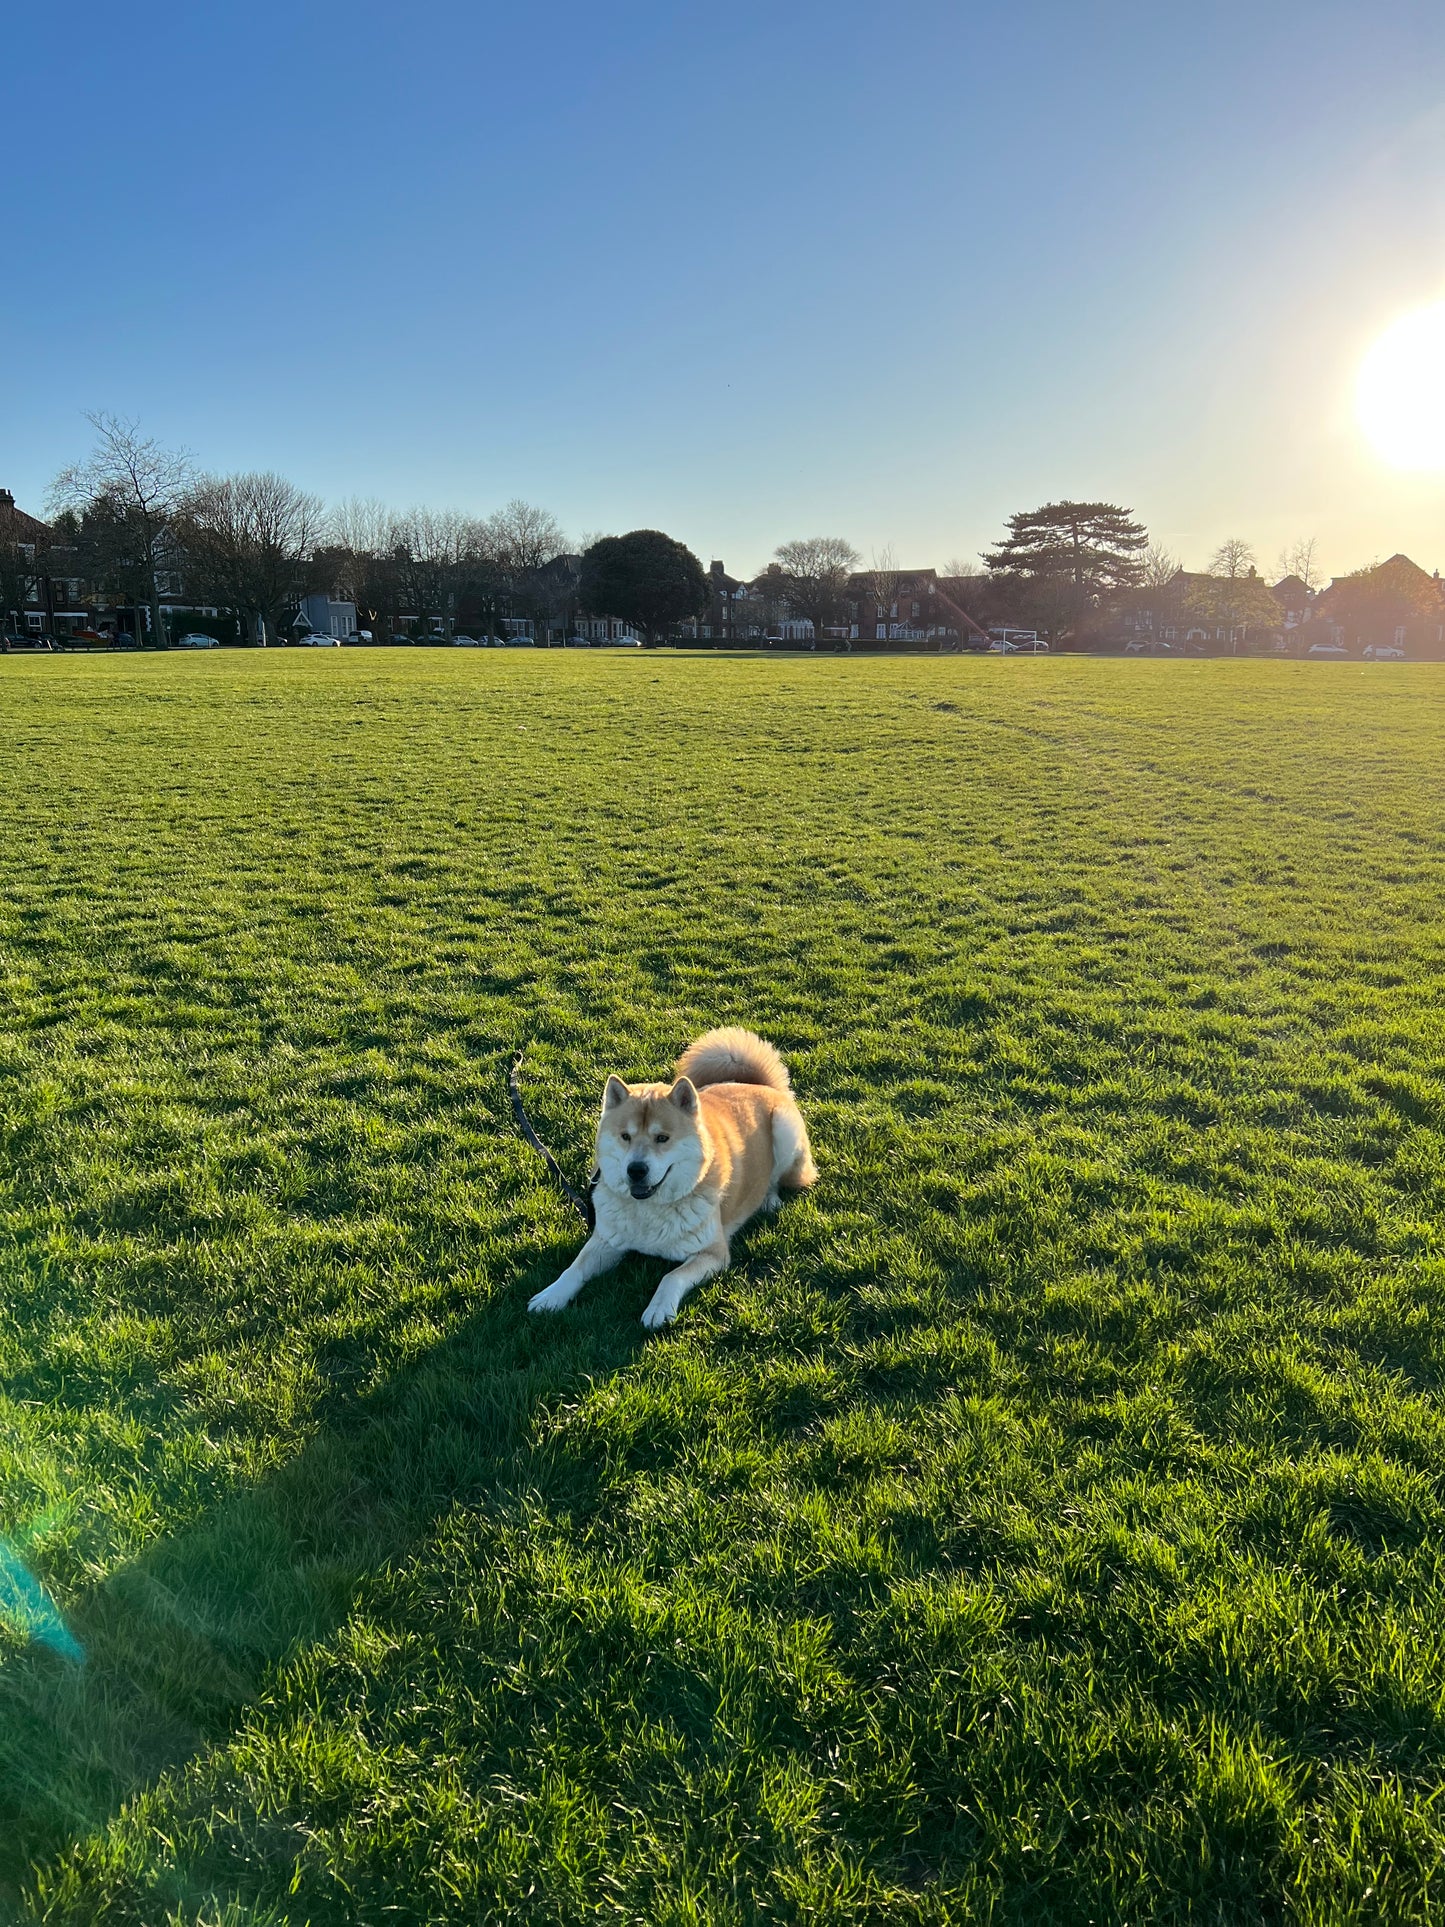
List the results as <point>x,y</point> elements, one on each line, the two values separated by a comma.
<point>661,1137</point>
<point>627,1137</point>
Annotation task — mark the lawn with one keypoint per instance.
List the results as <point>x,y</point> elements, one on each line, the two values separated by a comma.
<point>1043,1519</point>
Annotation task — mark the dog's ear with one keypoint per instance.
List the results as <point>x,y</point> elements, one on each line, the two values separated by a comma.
<point>684,1096</point>
<point>615,1094</point>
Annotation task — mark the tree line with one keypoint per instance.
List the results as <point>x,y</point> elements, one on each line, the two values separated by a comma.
<point>134,516</point>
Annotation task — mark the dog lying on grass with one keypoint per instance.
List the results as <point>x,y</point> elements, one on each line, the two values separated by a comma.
<point>680,1167</point>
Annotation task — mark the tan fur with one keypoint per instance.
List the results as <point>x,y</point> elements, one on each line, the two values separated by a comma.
<point>682,1166</point>
<point>733,1056</point>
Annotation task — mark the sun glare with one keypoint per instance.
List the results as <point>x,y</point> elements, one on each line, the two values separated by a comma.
<point>1400,398</point>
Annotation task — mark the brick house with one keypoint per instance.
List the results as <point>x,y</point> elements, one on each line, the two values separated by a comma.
<point>1395,603</point>
<point>27,588</point>
<point>1295,600</point>
<point>900,605</point>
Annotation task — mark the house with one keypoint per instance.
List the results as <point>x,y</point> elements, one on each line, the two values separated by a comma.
<point>41,588</point>
<point>17,526</point>
<point>1295,599</point>
<point>27,592</point>
<point>727,600</point>
<point>735,610</point>
<point>46,589</point>
<point>1222,611</point>
<point>606,629</point>
<point>896,605</point>
<point>1395,601</point>
<point>323,613</point>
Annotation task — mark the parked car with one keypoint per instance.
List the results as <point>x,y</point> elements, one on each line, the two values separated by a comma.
<point>1327,649</point>
<point>196,641</point>
<point>467,642</point>
<point>24,639</point>
<point>1384,652</point>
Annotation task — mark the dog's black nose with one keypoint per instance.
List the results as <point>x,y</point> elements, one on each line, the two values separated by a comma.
<point>637,1170</point>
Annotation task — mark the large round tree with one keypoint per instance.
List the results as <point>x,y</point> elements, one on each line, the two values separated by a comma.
<point>644,578</point>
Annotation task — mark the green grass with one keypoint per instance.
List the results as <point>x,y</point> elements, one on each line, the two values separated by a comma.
<point>1043,1519</point>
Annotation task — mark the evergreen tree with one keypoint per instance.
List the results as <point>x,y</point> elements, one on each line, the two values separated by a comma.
<point>1069,557</point>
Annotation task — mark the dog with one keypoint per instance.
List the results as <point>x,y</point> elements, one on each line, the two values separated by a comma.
<point>680,1167</point>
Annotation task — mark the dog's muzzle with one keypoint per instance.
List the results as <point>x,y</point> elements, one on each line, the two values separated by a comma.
<point>637,1181</point>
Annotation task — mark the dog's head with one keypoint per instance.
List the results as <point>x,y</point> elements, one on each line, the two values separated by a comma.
<point>649,1142</point>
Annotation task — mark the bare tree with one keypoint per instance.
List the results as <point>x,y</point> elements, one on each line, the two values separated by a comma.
<point>1299,560</point>
<point>250,539</point>
<point>357,551</point>
<point>1232,559</point>
<point>129,489</point>
<point>362,525</point>
<point>1234,594</point>
<point>815,573</point>
<point>527,551</point>
<point>883,579</point>
<point>1155,601</point>
<point>524,538</point>
<point>435,551</point>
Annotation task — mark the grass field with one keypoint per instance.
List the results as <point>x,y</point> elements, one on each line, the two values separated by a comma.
<point>1041,1522</point>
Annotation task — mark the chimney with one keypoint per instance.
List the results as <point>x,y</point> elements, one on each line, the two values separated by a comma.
<point>7,500</point>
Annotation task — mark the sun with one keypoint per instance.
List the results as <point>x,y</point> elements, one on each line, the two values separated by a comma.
<point>1400,396</point>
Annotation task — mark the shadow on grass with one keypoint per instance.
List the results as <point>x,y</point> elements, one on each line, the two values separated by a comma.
<point>178,1643</point>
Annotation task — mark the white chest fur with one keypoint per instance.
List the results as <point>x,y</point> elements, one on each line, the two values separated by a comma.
<point>676,1230</point>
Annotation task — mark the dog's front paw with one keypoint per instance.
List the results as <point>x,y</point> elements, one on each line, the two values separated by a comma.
<point>662,1310</point>
<point>555,1296</point>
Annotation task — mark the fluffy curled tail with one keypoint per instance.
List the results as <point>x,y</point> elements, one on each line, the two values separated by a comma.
<point>733,1056</point>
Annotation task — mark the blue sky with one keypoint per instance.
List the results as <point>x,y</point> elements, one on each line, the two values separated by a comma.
<point>742,273</point>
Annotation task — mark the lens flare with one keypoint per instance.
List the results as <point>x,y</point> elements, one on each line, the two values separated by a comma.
<point>1400,396</point>
<point>26,1606</point>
